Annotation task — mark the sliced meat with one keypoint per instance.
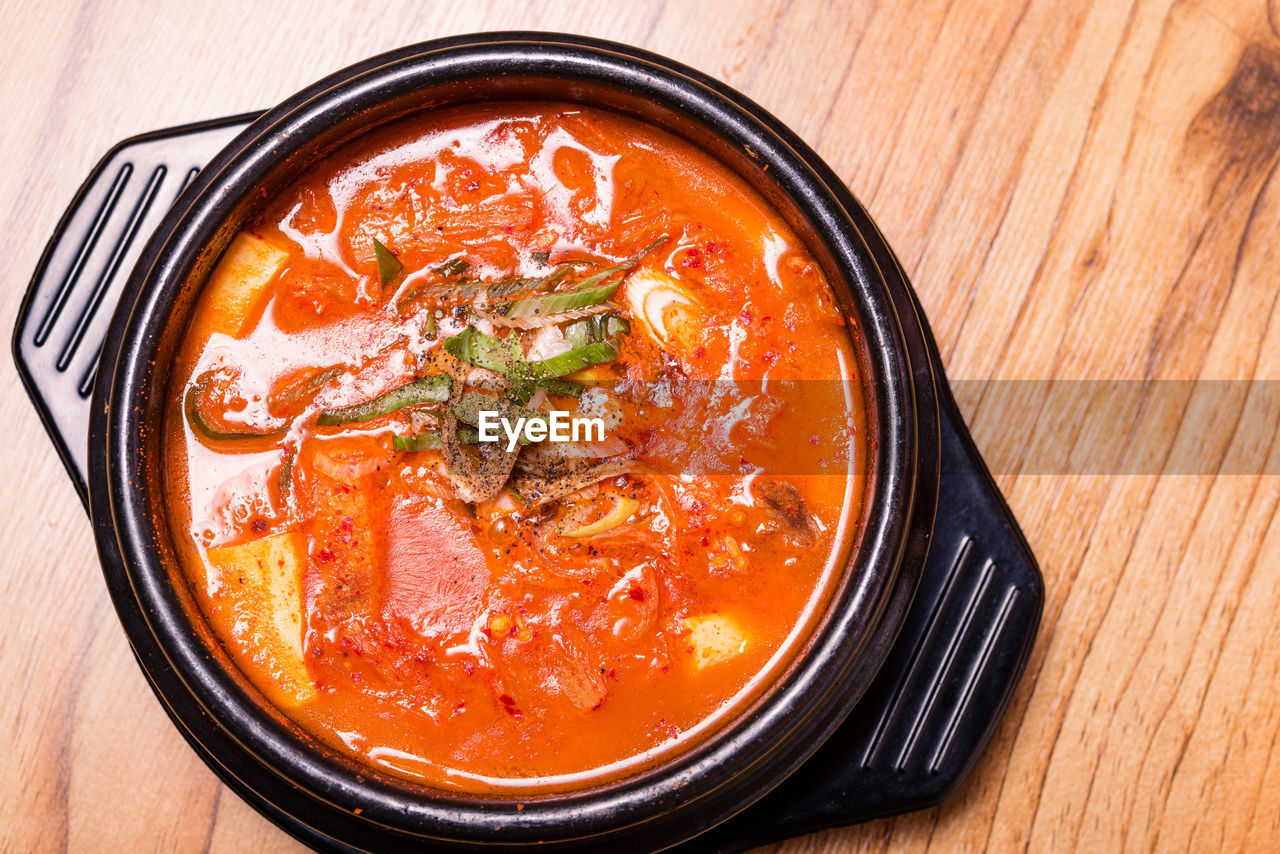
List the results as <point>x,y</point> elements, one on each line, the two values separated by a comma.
<point>546,474</point>
<point>435,574</point>
<point>787,505</point>
<point>478,477</point>
<point>552,675</point>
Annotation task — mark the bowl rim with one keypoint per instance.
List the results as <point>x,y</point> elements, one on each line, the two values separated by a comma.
<point>816,697</point>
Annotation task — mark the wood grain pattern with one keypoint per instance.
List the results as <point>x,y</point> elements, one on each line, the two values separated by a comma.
<point>1078,190</point>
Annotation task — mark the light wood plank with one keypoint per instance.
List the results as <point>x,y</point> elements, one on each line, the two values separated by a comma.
<point>1078,190</point>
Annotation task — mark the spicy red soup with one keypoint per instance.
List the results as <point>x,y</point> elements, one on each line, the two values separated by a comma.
<point>514,447</point>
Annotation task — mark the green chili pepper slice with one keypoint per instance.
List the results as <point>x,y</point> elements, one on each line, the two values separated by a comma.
<point>433,390</point>
<point>197,419</point>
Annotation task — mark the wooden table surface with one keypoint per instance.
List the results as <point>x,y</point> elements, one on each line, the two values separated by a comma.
<point>1078,190</point>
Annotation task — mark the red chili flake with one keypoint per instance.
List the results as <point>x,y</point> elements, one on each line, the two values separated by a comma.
<point>700,353</point>
<point>813,440</point>
<point>636,593</point>
<point>348,522</point>
<point>258,525</point>
<point>692,258</point>
<point>706,542</point>
<point>712,247</point>
<point>746,316</point>
<point>324,555</point>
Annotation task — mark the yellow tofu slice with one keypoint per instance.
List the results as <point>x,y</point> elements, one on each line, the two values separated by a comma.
<point>263,578</point>
<point>246,268</point>
<point>715,638</point>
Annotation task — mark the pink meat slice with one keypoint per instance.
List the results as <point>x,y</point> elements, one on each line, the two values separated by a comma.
<point>436,575</point>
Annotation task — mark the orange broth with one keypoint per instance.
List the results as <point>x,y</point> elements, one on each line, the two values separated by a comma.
<point>506,635</point>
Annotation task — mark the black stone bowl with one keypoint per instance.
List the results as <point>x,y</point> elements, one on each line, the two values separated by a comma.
<point>326,798</point>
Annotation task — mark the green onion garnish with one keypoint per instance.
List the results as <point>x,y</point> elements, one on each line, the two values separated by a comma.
<point>389,265</point>
<point>453,269</point>
<point>434,390</point>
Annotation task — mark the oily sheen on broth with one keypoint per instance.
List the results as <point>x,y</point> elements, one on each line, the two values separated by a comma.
<point>528,614</point>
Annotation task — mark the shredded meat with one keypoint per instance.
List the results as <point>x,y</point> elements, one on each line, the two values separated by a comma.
<point>784,501</point>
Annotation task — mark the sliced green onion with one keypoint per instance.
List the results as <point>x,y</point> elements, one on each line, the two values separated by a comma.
<point>474,347</point>
<point>577,359</point>
<point>467,410</point>
<point>512,285</point>
<point>389,265</point>
<point>599,327</point>
<point>525,377</point>
<point>453,269</point>
<point>202,426</point>
<point>550,304</point>
<point>431,441</point>
<point>434,389</point>
<point>595,279</point>
<point>559,386</point>
<point>504,355</point>
<point>420,442</point>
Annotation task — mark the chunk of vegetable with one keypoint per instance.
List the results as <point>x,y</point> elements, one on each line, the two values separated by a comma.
<point>597,279</point>
<point>485,351</point>
<point>428,390</point>
<point>389,266</point>
<point>599,327</point>
<point>264,577</point>
<point>430,441</point>
<point>715,638</point>
<point>505,356</point>
<point>577,359</point>
<point>553,304</point>
<point>246,268</point>
<point>661,305</point>
<point>196,418</point>
<point>620,513</point>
